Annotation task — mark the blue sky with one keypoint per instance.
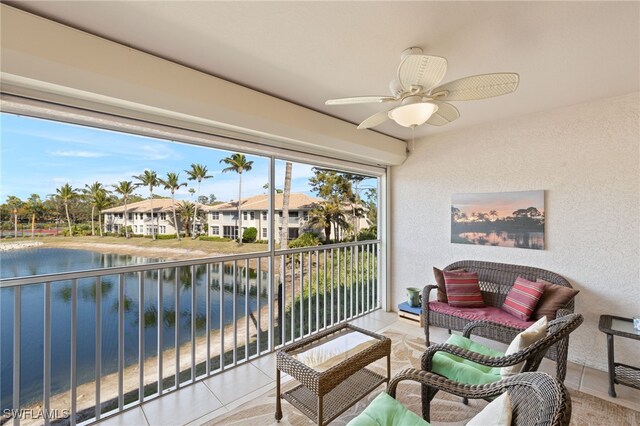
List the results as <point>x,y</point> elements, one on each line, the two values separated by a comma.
<point>38,156</point>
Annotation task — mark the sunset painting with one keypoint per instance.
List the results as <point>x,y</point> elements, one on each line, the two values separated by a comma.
<point>507,219</point>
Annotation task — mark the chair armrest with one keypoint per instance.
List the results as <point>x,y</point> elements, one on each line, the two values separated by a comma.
<point>503,361</point>
<point>466,331</point>
<point>442,383</point>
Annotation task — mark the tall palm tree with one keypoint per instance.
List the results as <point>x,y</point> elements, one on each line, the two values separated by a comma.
<point>238,163</point>
<point>172,184</point>
<point>101,201</point>
<point>35,206</point>
<point>66,193</point>
<point>198,173</point>
<point>91,192</point>
<point>284,235</point>
<point>125,188</point>
<point>149,179</point>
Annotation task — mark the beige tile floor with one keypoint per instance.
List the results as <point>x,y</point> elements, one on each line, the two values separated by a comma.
<point>206,400</point>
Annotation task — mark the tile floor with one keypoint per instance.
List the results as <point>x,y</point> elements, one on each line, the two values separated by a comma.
<point>218,395</point>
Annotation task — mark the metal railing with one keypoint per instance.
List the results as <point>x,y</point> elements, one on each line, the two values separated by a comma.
<point>126,335</point>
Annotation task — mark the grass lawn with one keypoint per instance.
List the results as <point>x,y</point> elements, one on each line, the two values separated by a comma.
<point>186,244</point>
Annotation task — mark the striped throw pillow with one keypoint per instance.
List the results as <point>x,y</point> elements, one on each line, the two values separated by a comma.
<point>523,298</point>
<point>463,290</point>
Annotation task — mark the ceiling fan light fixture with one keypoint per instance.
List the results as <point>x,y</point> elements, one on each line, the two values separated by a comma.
<point>413,114</point>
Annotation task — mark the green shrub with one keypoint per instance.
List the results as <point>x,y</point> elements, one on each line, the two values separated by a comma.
<point>308,239</point>
<point>207,238</point>
<point>166,236</point>
<point>368,234</point>
<point>249,235</point>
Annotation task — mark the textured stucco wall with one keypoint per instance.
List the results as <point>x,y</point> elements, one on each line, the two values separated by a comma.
<point>587,159</point>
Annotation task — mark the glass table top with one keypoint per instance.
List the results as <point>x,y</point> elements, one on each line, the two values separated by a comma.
<point>330,350</point>
<point>624,326</point>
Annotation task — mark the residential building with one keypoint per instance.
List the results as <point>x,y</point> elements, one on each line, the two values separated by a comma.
<point>223,218</point>
<point>139,217</point>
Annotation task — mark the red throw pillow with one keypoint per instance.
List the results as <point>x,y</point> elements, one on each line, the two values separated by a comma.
<point>523,298</point>
<point>554,297</point>
<point>463,289</point>
<point>442,289</point>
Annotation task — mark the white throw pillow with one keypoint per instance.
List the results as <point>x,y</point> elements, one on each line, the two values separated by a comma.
<point>497,413</point>
<point>535,332</point>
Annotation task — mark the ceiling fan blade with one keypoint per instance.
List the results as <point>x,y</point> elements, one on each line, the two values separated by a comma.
<point>421,70</point>
<point>445,114</point>
<point>360,100</point>
<point>477,87</point>
<point>374,120</point>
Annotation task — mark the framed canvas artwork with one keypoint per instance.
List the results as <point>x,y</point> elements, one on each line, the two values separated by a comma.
<point>507,219</point>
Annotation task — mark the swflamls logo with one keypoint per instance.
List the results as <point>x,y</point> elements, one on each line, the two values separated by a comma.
<point>35,413</point>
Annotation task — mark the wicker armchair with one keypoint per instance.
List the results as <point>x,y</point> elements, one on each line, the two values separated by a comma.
<point>536,398</point>
<point>496,279</point>
<point>558,330</point>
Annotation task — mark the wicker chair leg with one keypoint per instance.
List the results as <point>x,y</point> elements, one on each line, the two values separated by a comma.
<point>562,348</point>
<point>428,393</point>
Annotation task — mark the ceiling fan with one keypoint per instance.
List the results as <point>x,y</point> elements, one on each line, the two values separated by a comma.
<point>421,101</point>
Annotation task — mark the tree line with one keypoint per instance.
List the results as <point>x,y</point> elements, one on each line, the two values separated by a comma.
<point>345,201</point>
<point>525,219</point>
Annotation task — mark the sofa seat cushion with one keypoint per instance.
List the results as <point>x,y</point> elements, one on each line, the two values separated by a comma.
<point>463,370</point>
<point>488,313</point>
<point>387,411</point>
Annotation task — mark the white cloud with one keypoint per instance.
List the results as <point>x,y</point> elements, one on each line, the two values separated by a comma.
<point>78,154</point>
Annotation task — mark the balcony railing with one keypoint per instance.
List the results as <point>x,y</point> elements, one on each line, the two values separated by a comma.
<point>96,342</point>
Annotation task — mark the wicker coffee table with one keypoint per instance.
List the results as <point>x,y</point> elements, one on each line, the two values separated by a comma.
<point>331,369</point>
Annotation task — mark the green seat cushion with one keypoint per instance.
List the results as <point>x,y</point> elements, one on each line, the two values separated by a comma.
<point>462,370</point>
<point>386,411</point>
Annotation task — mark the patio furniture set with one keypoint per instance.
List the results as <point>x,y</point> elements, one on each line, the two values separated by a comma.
<point>331,366</point>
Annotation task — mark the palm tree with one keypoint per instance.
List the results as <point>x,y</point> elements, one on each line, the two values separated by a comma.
<point>149,179</point>
<point>284,236</point>
<point>198,173</point>
<point>172,184</point>
<point>238,163</point>
<point>101,201</point>
<point>15,204</point>
<point>66,193</point>
<point>320,217</point>
<point>187,210</point>
<point>91,192</point>
<point>36,207</point>
<point>125,188</point>
<point>493,214</point>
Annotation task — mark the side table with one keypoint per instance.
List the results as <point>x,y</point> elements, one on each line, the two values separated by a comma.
<point>619,373</point>
<point>330,367</point>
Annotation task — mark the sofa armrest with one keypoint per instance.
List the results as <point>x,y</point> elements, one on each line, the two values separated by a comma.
<point>426,292</point>
<point>466,331</point>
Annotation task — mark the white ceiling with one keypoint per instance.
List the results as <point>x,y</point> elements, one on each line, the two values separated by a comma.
<point>308,52</point>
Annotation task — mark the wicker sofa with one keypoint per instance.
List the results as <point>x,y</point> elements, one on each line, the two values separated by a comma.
<point>496,279</point>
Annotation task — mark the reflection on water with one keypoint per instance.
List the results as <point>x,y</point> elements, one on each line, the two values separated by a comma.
<point>46,261</point>
<point>530,240</point>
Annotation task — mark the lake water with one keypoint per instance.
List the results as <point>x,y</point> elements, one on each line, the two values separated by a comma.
<point>531,240</point>
<point>52,260</point>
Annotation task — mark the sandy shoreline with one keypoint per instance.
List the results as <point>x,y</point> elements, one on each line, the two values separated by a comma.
<point>164,252</point>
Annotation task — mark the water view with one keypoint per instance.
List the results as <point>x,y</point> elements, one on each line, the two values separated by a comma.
<point>52,260</point>
<point>533,240</point>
